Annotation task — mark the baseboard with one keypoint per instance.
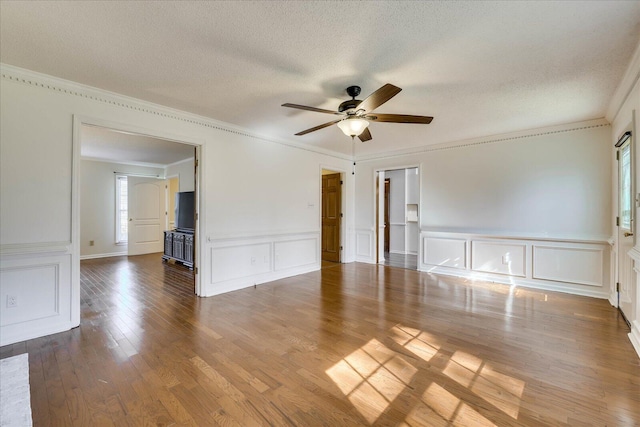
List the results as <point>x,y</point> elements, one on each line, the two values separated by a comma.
<point>634,336</point>
<point>517,281</point>
<point>398,252</point>
<point>223,287</point>
<point>94,256</point>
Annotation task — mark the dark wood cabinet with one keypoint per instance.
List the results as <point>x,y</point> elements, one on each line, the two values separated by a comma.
<point>178,246</point>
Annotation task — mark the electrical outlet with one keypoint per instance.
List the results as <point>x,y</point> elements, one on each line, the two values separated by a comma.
<point>12,301</point>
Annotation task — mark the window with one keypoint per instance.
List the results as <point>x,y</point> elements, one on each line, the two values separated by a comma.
<point>122,210</point>
<point>625,186</point>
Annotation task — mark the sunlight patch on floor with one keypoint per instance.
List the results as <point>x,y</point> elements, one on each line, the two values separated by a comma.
<point>418,342</point>
<point>372,377</point>
<point>502,391</point>
<point>452,408</point>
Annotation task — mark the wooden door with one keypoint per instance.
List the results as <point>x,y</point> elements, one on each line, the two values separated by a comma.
<point>387,209</point>
<point>331,214</point>
<point>147,212</point>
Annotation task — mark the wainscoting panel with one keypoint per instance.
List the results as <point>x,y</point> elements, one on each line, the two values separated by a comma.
<point>577,266</point>
<point>569,264</point>
<point>445,252</point>
<point>295,253</point>
<point>232,262</point>
<point>364,246</point>
<point>35,296</point>
<point>243,261</point>
<point>498,257</point>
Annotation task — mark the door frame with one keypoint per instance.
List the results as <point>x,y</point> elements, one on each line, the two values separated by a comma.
<point>378,187</point>
<point>200,232</point>
<point>343,208</point>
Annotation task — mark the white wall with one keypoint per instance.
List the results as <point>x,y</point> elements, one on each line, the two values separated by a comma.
<point>257,210</point>
<point>97,206</point>
<point>546,184</point>
<point>185,172</point>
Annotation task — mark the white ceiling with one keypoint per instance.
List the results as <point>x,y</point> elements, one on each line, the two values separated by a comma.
<point>120,147</point>
<point>480,68</point>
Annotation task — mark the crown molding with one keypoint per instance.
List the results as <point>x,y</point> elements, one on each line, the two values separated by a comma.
<point>628,82</point>
<point>190,159</point>
<point>493,139</point>
<point>55,84</point>
<point>126,163</point>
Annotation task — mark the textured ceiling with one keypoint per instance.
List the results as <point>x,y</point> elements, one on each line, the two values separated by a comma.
<point>480,68</point>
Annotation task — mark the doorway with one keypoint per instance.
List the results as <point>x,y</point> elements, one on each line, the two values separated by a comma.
<point>105,155</point>
<point>397,218</point>
<point>331,212</point>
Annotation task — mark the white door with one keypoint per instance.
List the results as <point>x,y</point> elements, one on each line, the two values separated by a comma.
<point>147,215</point>
<point>626,277</point>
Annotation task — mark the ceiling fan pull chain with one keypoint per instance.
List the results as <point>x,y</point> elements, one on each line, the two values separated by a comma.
<point>353,154</point>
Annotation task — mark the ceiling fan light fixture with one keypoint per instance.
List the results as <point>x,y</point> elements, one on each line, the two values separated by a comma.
<point>353,126</point>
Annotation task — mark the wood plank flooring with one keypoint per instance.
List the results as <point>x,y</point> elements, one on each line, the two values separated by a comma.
<point>407,261</point>
<point>352,344</point>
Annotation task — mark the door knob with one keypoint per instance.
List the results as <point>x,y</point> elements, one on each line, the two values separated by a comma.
<point>628,234</point>
<point>130,219</point>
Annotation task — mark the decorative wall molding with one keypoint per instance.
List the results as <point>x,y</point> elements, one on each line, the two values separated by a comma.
<point>43,302</point>
<point>35,248</point>
<point>365,250</point>
<point>249,261</point>
<point>32,78</point>
<point>220,239</point>
<point>549,264</point>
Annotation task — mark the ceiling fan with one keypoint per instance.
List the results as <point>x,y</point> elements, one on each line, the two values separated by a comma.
<point>357,114</point>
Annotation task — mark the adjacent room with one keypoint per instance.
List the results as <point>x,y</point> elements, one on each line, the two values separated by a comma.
<point>313,213</point>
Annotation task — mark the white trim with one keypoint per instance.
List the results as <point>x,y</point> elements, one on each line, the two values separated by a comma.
<point>35,248</point>
<point>220,238</point>
<point>597,240</point>
<point>634,336</point>
<point>190,159</point>
<point>124,162</point>
<point>95,256</point>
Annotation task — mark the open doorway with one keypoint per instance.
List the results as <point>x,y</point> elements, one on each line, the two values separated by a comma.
<point>398,230</point>
<point>127,184</point>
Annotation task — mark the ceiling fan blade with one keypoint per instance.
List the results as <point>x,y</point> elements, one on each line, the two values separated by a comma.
<point>365,135</point>
<point>304,132</point>
<point>399,118</point>
<point>379,97</point>
<point>317,110</point>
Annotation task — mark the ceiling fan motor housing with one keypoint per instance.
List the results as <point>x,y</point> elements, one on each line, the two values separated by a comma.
<point>351,104</point>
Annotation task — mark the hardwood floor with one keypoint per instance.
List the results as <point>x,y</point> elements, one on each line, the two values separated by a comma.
<point>407,261</point>
<point>352,344</point>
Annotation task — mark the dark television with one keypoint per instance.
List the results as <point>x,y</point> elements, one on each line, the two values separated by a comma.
<point>185,211</point>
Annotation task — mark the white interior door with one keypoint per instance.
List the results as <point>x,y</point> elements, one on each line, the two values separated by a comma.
<point>626,276</point>
<point>147,215</point>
